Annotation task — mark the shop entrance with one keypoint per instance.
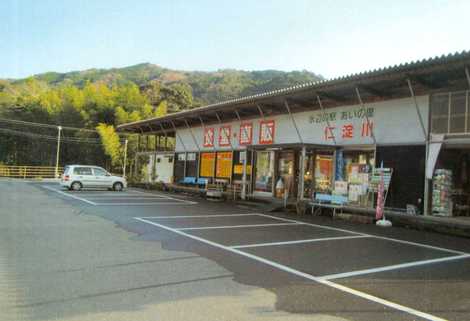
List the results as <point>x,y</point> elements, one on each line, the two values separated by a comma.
<point>323,172</point>
<point>318,172</point>
<point>286,172</point>
<point>264,173</point>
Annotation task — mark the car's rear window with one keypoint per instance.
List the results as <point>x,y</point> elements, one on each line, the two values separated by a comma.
<point>82,171</point>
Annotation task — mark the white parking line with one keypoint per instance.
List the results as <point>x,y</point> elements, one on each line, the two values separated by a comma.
<point>126,198</point>
<point>421,245</point>
<point>201,216</point>
<point>371,235</point>
<point>298,241</point>
<point>143,204</point>
<point>393,267</point>
<point>311,224</point>
<point>159,194</point>
<point>68,195</point>
<point>95,198</point>
<point>231,226</point>
<point>301,274</point>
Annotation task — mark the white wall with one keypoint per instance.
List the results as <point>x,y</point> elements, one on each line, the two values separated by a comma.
<point>394,122</point>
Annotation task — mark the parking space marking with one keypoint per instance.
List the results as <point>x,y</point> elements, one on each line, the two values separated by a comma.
<point>314,225</point>
<point>421,245</point>
<point>300,274</point>
<point>393,267</point>
<point>121,196</point>
<point>232,226</point>
<point>372,235</point>
<point>126,197</point>
<point>159,194</point>
<point>298,241</point>
<point>143,204</point>
<point>201,216</point>
<point>93,199</point>
<point>72,196</point>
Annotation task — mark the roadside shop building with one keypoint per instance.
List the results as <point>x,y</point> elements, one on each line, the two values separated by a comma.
<point>328,136</point>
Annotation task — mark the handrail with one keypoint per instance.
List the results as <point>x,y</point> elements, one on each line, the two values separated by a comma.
<point>17,171</point>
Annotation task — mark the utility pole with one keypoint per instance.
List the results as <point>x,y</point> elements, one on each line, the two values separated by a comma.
<point>59,128</point>
<point>125,159</point>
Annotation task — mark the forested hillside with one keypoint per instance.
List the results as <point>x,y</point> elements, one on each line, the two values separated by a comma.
<point>85,99</point>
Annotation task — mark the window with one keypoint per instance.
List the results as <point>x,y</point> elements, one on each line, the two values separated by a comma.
<point>207,164</point>
<point>449,113</point>
<point>191,157</point>
<point>440,113</point>
<point>82,171</point>
<point>458,102</point>
<point>99,172</point>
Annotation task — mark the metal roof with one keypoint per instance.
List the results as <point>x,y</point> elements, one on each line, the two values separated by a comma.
<point>427,76</point>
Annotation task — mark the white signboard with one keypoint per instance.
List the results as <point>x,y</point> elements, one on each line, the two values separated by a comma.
<point>390,122</point>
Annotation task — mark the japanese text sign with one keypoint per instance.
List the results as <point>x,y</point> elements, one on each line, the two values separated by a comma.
<point>208,137</point>
<point>224,135</point>
<point>266,132</point>
<point>246,134</point>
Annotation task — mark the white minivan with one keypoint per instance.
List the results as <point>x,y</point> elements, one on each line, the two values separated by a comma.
<point>76,177</point>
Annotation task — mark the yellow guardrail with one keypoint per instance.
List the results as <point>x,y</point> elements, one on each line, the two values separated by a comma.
<point>29,171</point>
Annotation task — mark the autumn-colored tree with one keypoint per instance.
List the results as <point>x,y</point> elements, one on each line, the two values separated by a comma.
<point>111,143</point>
<point>162,109</point>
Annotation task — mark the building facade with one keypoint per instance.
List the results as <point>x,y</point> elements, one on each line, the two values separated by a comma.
<point>331,137</point>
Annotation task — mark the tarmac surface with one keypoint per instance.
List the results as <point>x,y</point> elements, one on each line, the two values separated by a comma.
<point>140,255</point>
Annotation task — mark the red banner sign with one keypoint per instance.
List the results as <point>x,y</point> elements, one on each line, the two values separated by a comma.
<point>246,134</point>
<point>208,137</point>
<point>224,135</point>
<point>266,132</point>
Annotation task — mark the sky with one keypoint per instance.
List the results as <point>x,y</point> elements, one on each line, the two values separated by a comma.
<point>331,38</point>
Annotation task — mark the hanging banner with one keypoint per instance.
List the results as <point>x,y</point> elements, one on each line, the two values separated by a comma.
<point>224,165</point>
<point>208,137</point>
<point>246,134</point>
<point>224,136</point>
<point>266,132</point>
<point>339,165</point>
<point>207,164</point>
<point>433,154</point>
<point>379,211</point>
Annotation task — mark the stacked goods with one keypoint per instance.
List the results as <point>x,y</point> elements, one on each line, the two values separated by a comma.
<point>442,192</point>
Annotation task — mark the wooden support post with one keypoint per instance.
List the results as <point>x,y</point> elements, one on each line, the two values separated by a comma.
<point>427,182</point>
<point>293,121</point>
<point>326,118</point>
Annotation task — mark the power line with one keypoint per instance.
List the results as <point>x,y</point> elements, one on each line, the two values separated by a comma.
<point>27,123</point>
<point>22,122</point>
<point>47,137</point>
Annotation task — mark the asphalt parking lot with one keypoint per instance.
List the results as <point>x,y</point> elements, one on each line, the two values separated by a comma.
<point>312,265</point>
<point>129,197</point>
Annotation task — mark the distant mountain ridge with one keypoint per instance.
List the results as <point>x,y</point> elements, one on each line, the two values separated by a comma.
<point>207,87</point>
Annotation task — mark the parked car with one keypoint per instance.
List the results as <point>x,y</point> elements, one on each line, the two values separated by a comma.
<point>76,177</point>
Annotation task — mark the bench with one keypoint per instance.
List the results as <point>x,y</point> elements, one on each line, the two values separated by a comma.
<point>202,182</point>
<point>189,180</point>
<point>334,202</point>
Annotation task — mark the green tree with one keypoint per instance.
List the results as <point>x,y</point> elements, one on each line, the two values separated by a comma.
<point>162,109</point>
<point>111,143</point>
